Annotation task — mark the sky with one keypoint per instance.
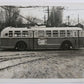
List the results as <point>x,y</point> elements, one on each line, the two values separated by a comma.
<point>73,10</point>
<point>69,5</point>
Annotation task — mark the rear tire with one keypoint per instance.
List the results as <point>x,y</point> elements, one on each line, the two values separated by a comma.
<point>21,46</point>
<point>66,46</point>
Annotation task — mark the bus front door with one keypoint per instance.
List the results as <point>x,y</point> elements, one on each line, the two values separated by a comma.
<point>32,41</point>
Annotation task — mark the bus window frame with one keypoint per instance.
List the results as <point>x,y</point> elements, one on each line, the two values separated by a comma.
<point>9,33</point>
<point>25,34</point>
<point>48,33</point>
<point>70,33</point>
<point>40,32</point>
<point>55,33</point>
<point>61,33</point>
<point>20,35</point>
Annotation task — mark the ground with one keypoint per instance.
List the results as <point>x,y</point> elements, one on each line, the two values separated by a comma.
<point>42,64</point>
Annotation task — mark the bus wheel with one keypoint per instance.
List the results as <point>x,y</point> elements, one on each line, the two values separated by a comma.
<point>21,46</point>
<point>66,46</point>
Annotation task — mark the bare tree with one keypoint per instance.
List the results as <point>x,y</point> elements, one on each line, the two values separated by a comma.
<point>55,18</point>
<point>19,22</point>
<point>11,16</point>
<point>32,21</point>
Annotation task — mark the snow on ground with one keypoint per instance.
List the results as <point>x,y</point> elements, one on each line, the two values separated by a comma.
<point>42,64</point>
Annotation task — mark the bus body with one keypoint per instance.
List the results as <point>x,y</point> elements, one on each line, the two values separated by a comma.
<point>42,38</point>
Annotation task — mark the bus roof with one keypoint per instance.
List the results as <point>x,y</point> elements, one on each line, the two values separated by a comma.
<point>42,28</point>
<point>56,28</point>
<point>15,28</point>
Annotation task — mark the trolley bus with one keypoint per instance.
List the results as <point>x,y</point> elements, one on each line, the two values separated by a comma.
<point>42,38</point>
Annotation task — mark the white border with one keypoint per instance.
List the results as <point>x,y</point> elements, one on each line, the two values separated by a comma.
<point>42,81</point>
<point>40,3</point>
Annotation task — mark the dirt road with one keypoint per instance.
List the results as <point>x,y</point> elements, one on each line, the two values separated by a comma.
<point>42,64</point>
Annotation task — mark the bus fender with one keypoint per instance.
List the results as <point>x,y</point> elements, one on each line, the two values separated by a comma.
<point>21,45</point>
<point>66,44</point>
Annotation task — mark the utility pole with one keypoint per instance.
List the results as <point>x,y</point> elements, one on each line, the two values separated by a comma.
<point>68,20</point>
<point>48,12</point>
<point>44,19</point>
<point>48,16</point>
<point>78,18</point>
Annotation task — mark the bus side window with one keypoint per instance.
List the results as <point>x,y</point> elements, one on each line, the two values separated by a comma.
<point>41,33</point>
<point>17,33</point>
<point>10,33</point>
<point>68,33</point>
<point>48,33</point>
<point>62,33</point>
<point>55,33</point>
<point>25,33</point>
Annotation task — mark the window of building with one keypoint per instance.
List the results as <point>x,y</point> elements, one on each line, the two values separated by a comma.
<point>25,33</point>
<point>17,33</point>
<point>48,33</point>
<point>10,33</point>
<point>62,33</point>
<point>41,33</point>
<point>55,33</point>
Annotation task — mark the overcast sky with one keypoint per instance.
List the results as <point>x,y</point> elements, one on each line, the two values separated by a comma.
<point>39,12</point>
<point>73,10</point>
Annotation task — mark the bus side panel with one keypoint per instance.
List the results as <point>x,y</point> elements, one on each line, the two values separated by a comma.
<point>81,41</point>
<point>51,43</point>
<point>35,44</point>
<point>6,43</point>
<point>31,43</point>
<point>11,42</point>
<point>55,43</point>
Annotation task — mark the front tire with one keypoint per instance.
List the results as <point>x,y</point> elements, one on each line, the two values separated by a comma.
<point>21,46</point>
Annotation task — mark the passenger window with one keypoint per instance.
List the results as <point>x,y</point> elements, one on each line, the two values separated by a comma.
<point>10,33</point>
<point>55,33</point>
<point>25,33</point>
<point>48,33</point>
<point>62,33</point>
<point>17,34</point>
<point>68,33</point>
<point>41,33</point>
<point>30,33</point>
